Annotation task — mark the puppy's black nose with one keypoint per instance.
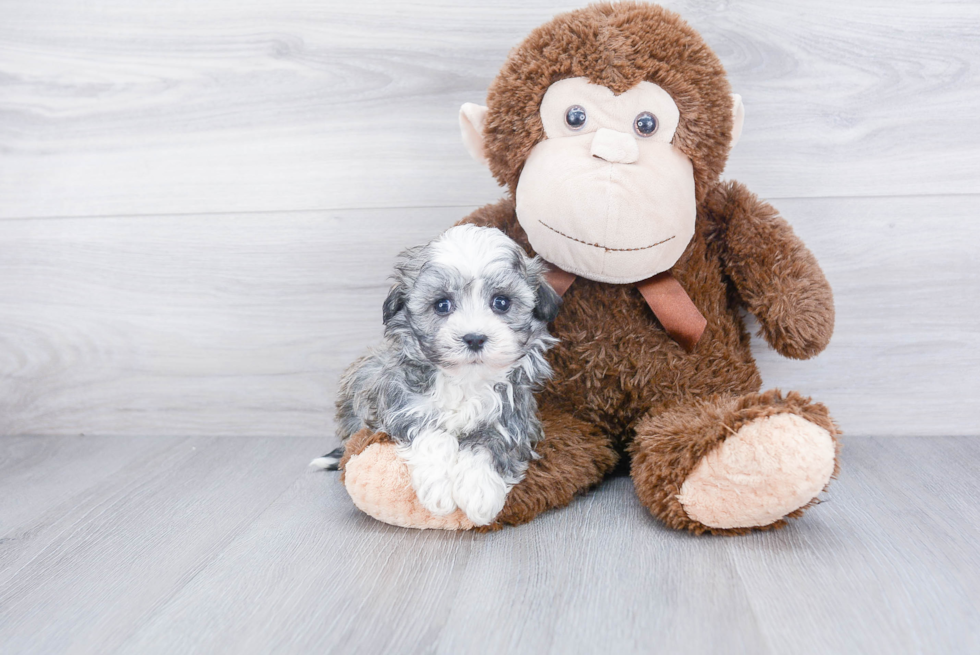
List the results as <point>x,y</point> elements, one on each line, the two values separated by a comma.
<point>475,341</point>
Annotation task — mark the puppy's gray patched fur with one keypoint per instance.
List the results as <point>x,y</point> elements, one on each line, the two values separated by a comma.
<point>464,344</point>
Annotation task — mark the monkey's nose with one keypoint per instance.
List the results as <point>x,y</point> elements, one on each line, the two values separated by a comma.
<point>614,147</point>
<point>475,341</point>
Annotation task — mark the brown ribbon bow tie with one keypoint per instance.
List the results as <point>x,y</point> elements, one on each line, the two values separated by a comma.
<point>665,296</point>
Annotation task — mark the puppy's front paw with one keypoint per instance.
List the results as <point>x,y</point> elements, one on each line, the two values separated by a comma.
<point>435,491</point>
<point>431,458</point>
<point>477,488</point>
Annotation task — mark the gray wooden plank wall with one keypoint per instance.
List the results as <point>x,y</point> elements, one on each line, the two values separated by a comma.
<point>199,201</point>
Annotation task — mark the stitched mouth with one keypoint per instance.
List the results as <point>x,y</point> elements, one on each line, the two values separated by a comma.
<point>598,245</point>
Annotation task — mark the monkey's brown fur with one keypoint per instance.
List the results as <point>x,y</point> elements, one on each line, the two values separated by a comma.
<point>616,46</point>
<point>680,437</point>
<point>615,367</point>
<point>621,383</point>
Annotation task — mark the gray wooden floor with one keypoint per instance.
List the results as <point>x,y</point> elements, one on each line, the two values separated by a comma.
<point>198,213</point>
<point>227,545</point>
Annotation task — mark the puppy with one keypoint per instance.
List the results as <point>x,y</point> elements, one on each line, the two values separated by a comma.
<point>464,343</point>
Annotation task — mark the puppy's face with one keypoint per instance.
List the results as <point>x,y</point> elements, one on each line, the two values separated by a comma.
<point>471,298</point>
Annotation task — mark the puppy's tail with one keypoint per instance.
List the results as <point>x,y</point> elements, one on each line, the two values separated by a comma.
<point>330,461</point>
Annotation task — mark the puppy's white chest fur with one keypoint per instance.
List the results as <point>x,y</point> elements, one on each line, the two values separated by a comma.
<point>445,477</point>
<point>466,399</point>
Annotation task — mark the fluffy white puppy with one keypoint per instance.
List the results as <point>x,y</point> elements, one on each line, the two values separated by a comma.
<point>453,382</point>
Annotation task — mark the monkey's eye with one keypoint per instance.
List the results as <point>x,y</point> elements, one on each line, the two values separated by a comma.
<point>575,117</point>
<point>500,304</point>
<point>646,124</point>
<point>443,306</point>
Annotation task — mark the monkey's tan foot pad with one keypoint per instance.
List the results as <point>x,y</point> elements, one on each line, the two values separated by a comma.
<point>380,485</point>
<point>771,467</point>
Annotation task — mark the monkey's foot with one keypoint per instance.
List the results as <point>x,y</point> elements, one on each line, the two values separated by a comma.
<point>770,468</point>
<point>380,484</point>
<point>730,464</point>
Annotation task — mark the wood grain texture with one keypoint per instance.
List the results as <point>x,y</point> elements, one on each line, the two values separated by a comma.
<point>83,574</point>
<point>38,477</point>
<point>234,548</point>
<point>208,325</point>
<point>242,324</point>
<point>895,572</point>
<point>133,108</point>
<point>199,206</point>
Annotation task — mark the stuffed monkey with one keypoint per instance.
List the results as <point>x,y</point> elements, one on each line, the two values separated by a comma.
<point>610,127</point>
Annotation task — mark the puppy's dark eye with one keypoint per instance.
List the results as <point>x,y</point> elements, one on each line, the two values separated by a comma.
<point>645,124</point>
<point>500,304</point>
<point>575,117</point>
<point>443,306</point>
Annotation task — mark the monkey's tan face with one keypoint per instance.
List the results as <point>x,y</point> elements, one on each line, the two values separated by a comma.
<point>605,195</point>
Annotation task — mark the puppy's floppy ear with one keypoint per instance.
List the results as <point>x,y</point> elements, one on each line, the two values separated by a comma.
<point>394,303</point>
<point>407,265</point>
<point>547,303</point>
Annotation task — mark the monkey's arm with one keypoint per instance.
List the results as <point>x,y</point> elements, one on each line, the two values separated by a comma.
<point>776,276</point>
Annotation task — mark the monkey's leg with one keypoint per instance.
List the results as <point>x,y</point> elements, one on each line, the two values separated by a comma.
<point>573,457</point>
<point>729,464</point>
<point>380,484</point>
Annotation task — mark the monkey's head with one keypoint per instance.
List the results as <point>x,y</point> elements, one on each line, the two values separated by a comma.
<point>608,125</point>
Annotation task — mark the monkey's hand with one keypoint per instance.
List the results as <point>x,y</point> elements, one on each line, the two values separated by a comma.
<point>380,484</point>
<point>776,276</point>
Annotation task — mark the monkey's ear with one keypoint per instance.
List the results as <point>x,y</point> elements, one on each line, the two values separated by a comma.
<point>738,116</point>
<point>393,303</point>
<point>471,120</point>
<point>547,304</point>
